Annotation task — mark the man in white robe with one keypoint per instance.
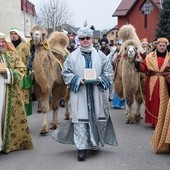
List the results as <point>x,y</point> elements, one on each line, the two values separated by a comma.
<point>3,81</point>
<point>90,126</point>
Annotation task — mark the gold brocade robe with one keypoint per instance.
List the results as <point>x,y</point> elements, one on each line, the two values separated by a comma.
<point>160,138</point>
<point>23,50</point>
<point>15,130</point>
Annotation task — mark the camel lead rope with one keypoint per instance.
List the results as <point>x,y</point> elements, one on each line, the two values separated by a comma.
<point>144,100</point>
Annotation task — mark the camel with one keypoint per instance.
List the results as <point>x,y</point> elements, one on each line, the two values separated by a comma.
<point>129,83</point>
<point>49,87</point>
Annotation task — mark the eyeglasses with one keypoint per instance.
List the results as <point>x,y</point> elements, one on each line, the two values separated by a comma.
<point>83,38</point>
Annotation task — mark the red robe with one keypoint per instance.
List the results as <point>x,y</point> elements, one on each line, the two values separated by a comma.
<point>152,105</point>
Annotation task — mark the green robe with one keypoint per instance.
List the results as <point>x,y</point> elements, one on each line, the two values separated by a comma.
<point>15,131</point>
<point>23,51</point>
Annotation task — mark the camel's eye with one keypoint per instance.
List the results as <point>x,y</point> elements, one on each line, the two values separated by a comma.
<point>31,33</point>
<point>43,34</point>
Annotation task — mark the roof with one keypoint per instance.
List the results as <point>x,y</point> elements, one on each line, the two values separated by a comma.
<point>70,28</point>
<point>114,28</point>
<point>125,6</point>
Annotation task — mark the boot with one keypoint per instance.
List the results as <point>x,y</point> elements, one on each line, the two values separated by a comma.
<point>82,155</point>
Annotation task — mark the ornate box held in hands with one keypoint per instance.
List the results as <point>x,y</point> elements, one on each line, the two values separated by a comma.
<point>90,76</point>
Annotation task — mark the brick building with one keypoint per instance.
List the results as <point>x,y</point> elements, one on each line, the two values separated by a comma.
<point>142,14</point>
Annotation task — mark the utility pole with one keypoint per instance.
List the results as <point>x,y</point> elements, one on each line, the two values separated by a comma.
<point>54,18</point>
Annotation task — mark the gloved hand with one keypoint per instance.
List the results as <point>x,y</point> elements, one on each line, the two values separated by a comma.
<point>137,65</point>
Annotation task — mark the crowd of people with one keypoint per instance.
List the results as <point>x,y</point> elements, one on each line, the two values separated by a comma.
<point>90,127</point>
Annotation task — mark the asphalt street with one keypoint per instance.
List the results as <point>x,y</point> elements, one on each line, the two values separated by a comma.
<point>133,152</point>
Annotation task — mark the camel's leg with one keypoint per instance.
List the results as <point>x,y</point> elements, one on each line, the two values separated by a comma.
<point>43,98</point>
<point>39,110</point>
<point>57,94</point>
<point>126,110</point>
<point>139,102</point>
<point>130,115</point>
<point>45,128</point>
<point>54,123</point>
<point>55,106</point>
<point>137,114</point>
<point>45,109</point>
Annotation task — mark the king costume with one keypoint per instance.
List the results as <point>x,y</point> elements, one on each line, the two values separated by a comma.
<point>23,50</point>
<point>90,126</point>
<point>157,111</point>
<point>14,130</point>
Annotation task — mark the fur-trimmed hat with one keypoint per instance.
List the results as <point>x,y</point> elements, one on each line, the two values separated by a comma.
<point>162,40</point>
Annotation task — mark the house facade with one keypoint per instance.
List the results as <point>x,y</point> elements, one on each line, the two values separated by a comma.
<point>17,13</point>
<point>112,35</point>
<point>142,14</point>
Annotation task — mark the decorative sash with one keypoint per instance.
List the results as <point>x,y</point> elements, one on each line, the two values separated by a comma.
<point>3,64</point>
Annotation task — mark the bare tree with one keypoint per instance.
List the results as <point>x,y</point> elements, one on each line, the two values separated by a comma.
<point>55,13</point>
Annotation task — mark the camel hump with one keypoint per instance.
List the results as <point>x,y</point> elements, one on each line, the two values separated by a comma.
<point>128,32</point>
<point>59,39</point>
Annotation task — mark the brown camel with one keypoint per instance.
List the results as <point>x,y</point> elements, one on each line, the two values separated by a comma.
<point>49,88</point>
<point>129,83</point>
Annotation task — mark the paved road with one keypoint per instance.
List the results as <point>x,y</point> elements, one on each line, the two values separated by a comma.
<point>133,153</point>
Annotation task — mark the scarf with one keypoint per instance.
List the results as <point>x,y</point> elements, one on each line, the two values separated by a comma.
<point>160,54</point>
<point>87,49</point>
<point>16,43</point>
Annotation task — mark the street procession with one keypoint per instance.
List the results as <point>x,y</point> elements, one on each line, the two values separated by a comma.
<point>77,92</point>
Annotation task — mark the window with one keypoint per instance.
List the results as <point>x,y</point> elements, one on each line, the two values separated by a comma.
<point>146,8</point>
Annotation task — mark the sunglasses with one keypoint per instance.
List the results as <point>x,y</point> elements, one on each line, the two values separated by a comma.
<point>83,38</point>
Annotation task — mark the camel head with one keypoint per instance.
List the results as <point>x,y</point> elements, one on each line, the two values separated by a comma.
<point>38,35</point>
<point>131,51</point>
<point>130,48</point>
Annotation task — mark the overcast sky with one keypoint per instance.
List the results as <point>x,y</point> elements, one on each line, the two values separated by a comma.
<point>96,12</point>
